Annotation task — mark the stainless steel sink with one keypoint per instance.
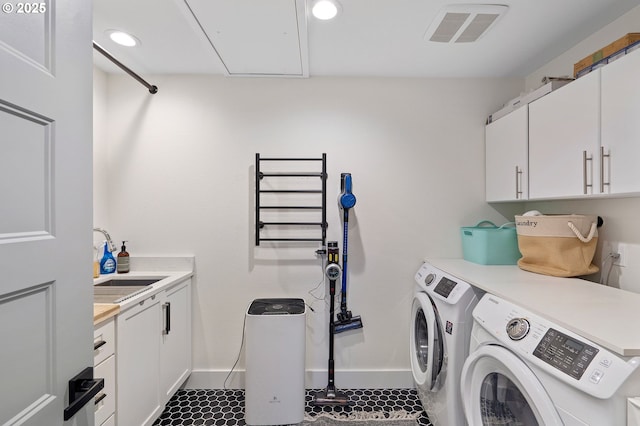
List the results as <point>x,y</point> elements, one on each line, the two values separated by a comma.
<point>118,290</point>
<point>142,282</point>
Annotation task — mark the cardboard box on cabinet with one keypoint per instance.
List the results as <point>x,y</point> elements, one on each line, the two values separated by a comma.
<point>604,53</point>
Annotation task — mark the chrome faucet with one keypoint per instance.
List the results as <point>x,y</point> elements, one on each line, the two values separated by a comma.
<point>112,246</point>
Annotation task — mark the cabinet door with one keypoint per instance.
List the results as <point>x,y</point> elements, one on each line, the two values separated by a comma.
<point>621,124</point>
<point>104,341</point>
<point>506,157</point>
<point>175,356</point>
<point>104,363</point>
<point>138,356</point>
<point>564,140</point>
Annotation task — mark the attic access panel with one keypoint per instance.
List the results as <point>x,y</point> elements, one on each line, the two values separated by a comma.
<point>255,37</point>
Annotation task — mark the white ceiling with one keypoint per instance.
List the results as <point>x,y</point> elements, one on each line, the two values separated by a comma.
<point>369,37</point>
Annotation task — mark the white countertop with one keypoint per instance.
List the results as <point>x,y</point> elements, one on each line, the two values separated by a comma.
<point>173,270</point>
<point>607,316</point>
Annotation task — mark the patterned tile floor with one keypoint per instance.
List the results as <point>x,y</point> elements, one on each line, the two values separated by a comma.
<point>226,407</point>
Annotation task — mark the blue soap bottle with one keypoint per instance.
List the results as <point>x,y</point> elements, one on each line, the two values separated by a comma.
<point>108,263</point>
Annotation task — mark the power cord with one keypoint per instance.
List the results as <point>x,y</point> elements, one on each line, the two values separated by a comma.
<point>611,257</point>
<point>324,296</point>
<point>321,282</point>
<point>244,323</point>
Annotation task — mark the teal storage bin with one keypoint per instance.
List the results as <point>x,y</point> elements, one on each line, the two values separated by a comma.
<point>488,244</point>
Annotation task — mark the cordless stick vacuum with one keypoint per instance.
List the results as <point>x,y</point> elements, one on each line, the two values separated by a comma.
<point>346,200</point>
<point>330,396</point>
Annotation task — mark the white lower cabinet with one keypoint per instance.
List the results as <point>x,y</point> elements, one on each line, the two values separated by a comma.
<point>104,366</point>
<point>139,363</point>
<point>154,353</point>
<point>111,421</point>
<point>105,401</point>
<point>175,351</point>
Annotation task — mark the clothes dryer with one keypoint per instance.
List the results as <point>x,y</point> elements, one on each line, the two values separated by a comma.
<point>526,370</point>
<point>439,341</point>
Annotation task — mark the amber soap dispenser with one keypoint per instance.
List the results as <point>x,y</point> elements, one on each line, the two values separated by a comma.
<point>123,260</point>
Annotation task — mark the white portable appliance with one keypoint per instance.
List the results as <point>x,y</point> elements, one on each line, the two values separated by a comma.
<point>523,369</point>
<point>275,362</point>
<point>439,341</point>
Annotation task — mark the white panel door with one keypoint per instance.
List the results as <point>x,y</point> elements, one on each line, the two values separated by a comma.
<point>506,157</point>
<point>564,138</point>
<point>45,209</point>
<point>620,125</point>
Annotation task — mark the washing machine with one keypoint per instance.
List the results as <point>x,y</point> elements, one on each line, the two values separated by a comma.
<point>439,341</point>
<point>525,370</point>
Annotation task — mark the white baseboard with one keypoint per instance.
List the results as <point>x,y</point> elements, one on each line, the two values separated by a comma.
<point>314,379</point>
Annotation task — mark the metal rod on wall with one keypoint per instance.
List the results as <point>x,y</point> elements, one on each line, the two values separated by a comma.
<point>152,88</point>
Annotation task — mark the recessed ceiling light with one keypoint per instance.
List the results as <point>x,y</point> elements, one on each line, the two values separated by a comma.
<point>325,9</point>
<point>122,38</point>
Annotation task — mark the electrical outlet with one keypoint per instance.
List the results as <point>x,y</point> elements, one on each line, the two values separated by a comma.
<point>609,247</point>
<point>622,251</point>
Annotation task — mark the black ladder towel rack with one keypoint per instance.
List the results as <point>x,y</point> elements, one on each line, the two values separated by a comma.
<point>260,175</point>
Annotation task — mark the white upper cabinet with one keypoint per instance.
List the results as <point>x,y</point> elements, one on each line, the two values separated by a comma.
<point>564,140</point>
<point>506,157</point>
<point>581,140</point>
<point>621,125</point>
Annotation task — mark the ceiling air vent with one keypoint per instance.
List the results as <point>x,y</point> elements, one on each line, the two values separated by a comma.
<point>463,23</point>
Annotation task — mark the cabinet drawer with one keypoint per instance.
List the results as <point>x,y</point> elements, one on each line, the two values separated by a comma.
<point>104,341</point>
<point>111,421</point>
<point>105,404</point>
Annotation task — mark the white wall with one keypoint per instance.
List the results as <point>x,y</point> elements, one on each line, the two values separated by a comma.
<point>563,64</point>
<point>181,182</point>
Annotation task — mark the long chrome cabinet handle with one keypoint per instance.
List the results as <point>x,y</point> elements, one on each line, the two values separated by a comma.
<point>518,183</point>
<point>167,318</point>
<point>585,184</point>
<point>602,157</point>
